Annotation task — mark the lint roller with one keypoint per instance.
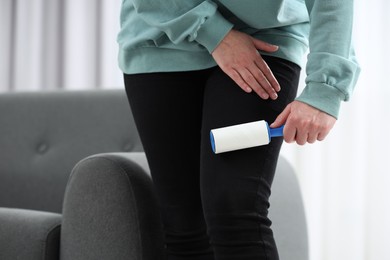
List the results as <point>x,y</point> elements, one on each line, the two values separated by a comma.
<point>243,136</point>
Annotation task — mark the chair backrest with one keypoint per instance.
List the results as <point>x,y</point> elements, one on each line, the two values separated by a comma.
<point>44,134</point>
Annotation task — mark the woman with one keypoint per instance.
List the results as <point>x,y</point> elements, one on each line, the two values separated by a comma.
<point>194,65</point>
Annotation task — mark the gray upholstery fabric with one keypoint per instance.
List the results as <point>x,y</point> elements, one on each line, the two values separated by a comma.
<point>29,235</point>
<point>110,211</point>
<point>44,134</point>
<point>101,179</point>
<point>288,214</point>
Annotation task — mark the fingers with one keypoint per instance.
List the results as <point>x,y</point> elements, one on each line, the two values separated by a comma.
<point>259,83</point>
<point>264,46</point>
<point>260,80</point>
<point>304,123</point>
<point>253,79</point>
<point>299,135</point>
<point>282,118</point>
<point>301,132</point>
<point>267,73</point>
<point>289,133</point>
<point>312,138</point>
<point>307,131</point>
<point>268,80</point>
<point>236,77</point>
<point>238,56</point>
<point>303,137</point>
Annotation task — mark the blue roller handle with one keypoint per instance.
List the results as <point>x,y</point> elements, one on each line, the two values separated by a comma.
<point>275,132</point>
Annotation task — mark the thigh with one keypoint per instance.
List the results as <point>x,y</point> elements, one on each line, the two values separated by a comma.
<point>226,104</point>
<point>236,185</point>
<point>167,111</point>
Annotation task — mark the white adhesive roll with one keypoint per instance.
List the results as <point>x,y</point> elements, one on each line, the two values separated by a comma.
<point>240,136</point>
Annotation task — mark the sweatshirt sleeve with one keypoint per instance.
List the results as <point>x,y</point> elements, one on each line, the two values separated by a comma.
<point>185,20</point>
<point>332,69</point>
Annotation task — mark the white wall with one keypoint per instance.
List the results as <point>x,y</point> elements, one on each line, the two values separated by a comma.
<point>346,179</point>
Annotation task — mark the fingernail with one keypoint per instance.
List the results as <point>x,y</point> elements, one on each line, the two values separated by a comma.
<point>265,96</point>
<point>274,96</point>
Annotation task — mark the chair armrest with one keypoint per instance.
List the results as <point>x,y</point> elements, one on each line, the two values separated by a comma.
<point>29,234</point>
<point>287,213</point>
<point>110,210</point>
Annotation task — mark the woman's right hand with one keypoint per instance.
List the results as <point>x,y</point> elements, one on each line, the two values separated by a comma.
<point>237,55</point>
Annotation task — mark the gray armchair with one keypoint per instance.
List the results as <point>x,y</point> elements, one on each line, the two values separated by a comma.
<point>105,208</point>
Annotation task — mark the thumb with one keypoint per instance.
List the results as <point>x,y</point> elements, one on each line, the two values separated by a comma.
<point>264,46</point>
<point>282,118</point>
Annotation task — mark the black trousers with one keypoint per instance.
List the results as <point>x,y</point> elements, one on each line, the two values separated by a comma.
<point>213,206</point>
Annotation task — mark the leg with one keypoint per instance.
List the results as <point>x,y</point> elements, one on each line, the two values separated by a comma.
<point>167,111</point>
<point>236,186</point>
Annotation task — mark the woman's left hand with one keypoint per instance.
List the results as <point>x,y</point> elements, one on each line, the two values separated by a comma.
<point>304,123</point>
<point>238,56</point>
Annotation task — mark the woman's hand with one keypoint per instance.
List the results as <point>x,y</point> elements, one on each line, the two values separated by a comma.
<point>304,123</point>
<point>237,55</point>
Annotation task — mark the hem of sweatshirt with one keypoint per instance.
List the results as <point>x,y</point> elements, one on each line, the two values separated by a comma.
<point>153,59</point>
<point>290,48</point>
<point>156,59</point>
<point>323,97</point>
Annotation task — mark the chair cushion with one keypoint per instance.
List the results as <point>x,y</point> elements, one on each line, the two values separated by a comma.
<point>29,234</point>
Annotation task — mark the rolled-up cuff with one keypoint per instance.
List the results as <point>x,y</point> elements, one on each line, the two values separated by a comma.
<point>212,31</point>
<point>323,97</point>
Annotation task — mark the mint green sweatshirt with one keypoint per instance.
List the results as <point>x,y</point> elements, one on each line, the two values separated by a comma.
<point>180,35</point>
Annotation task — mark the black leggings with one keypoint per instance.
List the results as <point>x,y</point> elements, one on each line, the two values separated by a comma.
<point>213,206</point>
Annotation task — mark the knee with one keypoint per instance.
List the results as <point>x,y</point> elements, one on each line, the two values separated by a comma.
<point>233,200</point>
<point>187,242</point>
<point>237,216</point>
